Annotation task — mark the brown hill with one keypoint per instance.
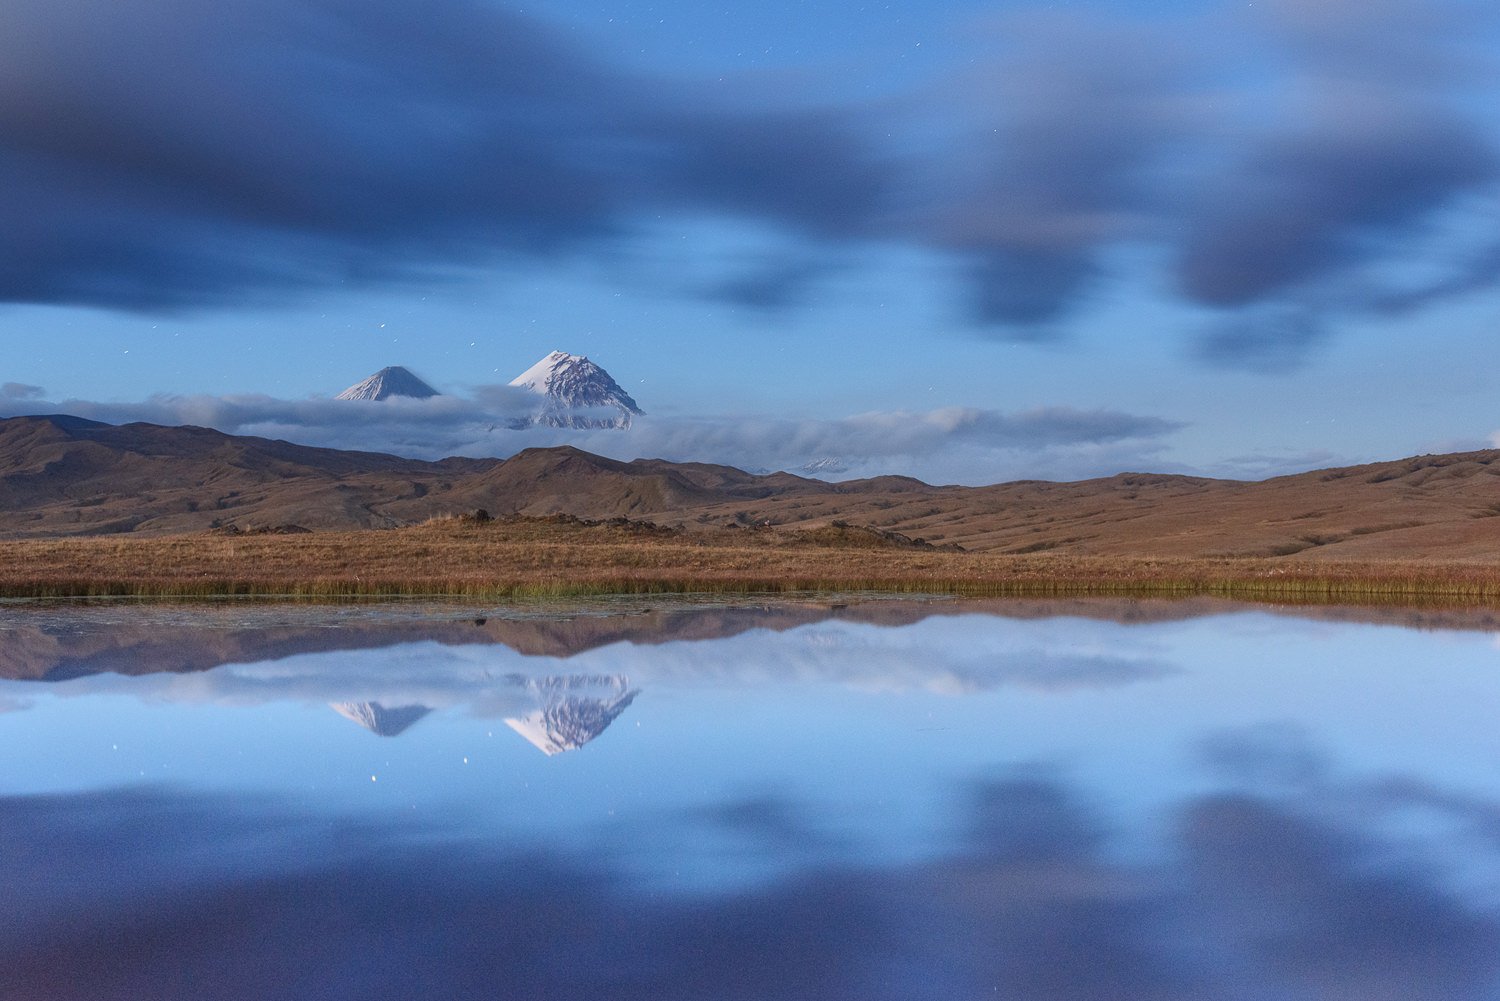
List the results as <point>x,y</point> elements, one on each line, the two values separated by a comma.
<point>66,476</point>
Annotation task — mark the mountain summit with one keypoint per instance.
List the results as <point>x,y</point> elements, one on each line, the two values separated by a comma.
<point>388,382</point>
<point>577,394</point>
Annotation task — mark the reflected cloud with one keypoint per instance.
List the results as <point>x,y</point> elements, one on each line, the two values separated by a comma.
<point>818,847</point>
<point>1323,908</point>
<point>560,703</point>
<point>1272,756</point>
<point>74,640</point>
<point>1243,895</point>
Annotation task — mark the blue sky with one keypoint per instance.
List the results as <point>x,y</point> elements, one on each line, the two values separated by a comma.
<point>1222,237</point>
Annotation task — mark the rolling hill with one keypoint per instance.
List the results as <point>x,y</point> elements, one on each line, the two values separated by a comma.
<point>62,476</point>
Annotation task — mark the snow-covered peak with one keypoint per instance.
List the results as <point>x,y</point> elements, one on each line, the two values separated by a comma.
<point>578,393</point>
<point>388,382</point>
<point>539,376</point>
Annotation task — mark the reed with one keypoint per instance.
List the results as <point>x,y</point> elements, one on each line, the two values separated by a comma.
<point>516,558</point>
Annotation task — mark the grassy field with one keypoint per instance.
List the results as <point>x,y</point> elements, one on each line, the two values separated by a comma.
<point>562,556</point>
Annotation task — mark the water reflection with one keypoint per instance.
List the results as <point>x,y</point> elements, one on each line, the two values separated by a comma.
<point>1244,894</point>
<point>571,710</point>
<point>824,800</point>
<point>378,719</point>
<point>558,682</point>
<point>71,640</point>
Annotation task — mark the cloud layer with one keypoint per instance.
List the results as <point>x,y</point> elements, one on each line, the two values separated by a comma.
<point>1286,167</point>
<point>160,154</point>
<point>955,444</point>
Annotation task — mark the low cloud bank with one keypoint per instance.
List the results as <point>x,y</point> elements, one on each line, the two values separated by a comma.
<point>952,444</point>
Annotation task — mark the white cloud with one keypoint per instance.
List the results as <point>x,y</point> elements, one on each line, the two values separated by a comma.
<point>952,444</point>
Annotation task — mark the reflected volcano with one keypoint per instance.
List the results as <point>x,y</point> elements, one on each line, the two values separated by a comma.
<point>378,719</point>
<point>573,709</point>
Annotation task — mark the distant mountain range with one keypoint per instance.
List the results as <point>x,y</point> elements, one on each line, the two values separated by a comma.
<point>575,393</point>
<point>62,475</point>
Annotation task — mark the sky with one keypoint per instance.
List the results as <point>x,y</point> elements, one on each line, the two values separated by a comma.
<point>967,241</point>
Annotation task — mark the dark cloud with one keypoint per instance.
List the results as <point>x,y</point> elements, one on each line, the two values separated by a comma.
<point>1023,291</point>
<point>772,283</point>
<point>20,391</point>
<point>1261,341</point>
<point>1273,157</point>
<point>810,171</point>
<point>1304,205</point>
<point>157,154</point>
<point>1074,114</point>
<point>1285,158</point>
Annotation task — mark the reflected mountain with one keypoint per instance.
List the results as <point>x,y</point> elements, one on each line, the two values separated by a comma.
<point>77,639</point>
<point>573,709</point>
<point>378,719</point>
<point>561,703</point>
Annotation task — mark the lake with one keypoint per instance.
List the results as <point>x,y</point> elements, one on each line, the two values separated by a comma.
<point>826,798</point>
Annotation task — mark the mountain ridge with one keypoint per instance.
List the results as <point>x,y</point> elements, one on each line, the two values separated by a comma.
<point>62,476</point>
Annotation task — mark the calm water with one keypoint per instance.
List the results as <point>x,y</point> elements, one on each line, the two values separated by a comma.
<point>861,798</point>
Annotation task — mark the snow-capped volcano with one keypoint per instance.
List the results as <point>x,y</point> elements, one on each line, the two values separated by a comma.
<point>388,382</point>
<point>577,394</point>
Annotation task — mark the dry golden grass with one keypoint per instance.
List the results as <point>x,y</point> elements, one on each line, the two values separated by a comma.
<point>527,556</point>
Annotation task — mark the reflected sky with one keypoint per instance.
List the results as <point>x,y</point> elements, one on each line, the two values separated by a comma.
<point>824,799</point>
